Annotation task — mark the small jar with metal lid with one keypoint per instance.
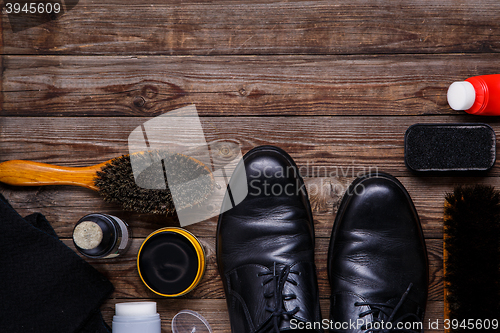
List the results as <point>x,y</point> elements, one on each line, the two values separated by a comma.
<point>101,236</point>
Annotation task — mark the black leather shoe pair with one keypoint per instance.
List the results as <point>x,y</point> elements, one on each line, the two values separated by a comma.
<point>377,262</point>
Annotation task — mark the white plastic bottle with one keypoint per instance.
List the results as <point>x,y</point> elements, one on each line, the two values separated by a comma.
<point>136,317</point>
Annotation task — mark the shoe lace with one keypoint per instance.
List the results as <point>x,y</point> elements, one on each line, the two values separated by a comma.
<point>279,278</point>
<point>381,308</point>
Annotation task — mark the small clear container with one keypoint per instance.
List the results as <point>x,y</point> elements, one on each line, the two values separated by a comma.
<point>187,321</point>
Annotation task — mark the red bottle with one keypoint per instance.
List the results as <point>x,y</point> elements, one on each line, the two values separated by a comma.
<point>479,95</point>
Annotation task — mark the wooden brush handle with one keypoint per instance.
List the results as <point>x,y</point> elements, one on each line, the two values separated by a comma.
<point>28,173</point>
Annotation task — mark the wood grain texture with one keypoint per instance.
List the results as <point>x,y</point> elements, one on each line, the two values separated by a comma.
<point>260,27</point>
<point>29,173</point>
<point>1,63</point>
<point>321,146</point>
<point>243,85</point>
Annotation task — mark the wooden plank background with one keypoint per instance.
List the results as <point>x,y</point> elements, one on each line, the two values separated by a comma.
<point>334,83</point>
<point>264,27</point>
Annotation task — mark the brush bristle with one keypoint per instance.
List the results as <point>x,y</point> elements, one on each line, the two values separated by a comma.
<point>117,184</point>
<point>472,243</point>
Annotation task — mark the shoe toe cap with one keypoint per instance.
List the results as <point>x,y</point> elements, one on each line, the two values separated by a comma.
<point>377,247</point>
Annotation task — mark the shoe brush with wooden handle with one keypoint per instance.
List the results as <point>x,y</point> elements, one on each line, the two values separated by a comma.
<point>115,181</point>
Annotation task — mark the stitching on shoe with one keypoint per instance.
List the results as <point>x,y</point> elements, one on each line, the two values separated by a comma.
<point>245,265</point>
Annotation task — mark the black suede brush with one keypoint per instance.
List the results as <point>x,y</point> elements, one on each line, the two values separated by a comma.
<point>457,148</point>
<point>472,258</point>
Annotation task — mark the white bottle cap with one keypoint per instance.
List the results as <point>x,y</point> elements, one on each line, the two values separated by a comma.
<point>136,309</point>
<point>136,317</point>
<point>461,95</point>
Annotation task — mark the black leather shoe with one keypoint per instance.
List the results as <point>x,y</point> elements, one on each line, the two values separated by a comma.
<point>265,248</point>
<point>377,260</point>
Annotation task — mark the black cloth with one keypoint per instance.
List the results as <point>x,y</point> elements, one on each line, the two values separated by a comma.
<point>45,286</point>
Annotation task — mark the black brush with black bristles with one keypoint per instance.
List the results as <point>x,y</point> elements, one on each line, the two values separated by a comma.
<point>115,181</point>
<point>472,256</point>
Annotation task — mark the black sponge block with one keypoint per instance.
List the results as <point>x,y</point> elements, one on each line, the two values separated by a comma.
<point>450,147</point>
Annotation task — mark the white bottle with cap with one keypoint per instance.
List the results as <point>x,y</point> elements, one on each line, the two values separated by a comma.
<point>479,95</point>
<point>136,317</point>
<point>461,95</point>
